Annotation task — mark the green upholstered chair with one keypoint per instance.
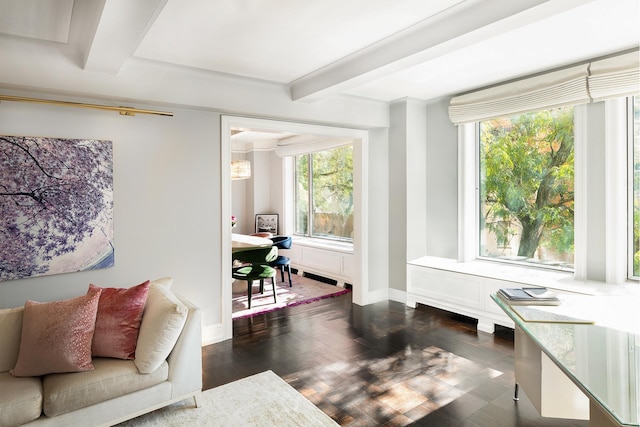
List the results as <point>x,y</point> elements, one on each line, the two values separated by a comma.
<point>256,268</point>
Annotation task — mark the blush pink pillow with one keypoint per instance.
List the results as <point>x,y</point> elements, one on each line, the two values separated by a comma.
<point>118,321</point>
<point>56,336</point>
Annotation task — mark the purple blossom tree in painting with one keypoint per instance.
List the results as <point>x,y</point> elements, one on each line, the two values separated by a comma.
<point>55,195</point>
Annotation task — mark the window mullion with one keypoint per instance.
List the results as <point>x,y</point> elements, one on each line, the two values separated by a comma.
<point>310,197</point>
<point>580,193</point>
<point>467,192</point>
<point>616,195</point>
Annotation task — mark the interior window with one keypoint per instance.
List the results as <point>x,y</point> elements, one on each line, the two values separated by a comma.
<point>526,188</point>
<point>324,188</point>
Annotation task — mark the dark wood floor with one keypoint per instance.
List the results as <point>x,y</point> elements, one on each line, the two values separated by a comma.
<point>381,365</point>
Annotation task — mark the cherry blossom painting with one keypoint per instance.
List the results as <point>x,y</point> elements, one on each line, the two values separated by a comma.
<point>56,206</point>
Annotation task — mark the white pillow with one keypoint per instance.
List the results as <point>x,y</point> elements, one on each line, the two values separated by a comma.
<point>165,282</point>
<point>10,333</point>
<point>162,322</point>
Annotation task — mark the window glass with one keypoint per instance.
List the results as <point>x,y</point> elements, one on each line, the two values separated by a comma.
<point>636,186</point>
<point>526,188</point>
<point>324,186</point>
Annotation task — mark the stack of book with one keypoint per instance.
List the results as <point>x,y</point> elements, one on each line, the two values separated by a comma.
<point>528,296</point>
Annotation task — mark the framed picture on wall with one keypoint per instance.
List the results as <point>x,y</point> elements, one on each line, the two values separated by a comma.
<point>267,223</point>
<point>56,204</point>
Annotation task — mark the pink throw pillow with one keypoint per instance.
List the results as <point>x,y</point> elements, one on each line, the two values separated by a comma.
<point>118,321</point>
<point>56,336</point>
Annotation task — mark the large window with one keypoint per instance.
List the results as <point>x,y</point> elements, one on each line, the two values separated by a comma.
<point>324,187</point>
<point>635,141</point>
<point>526,188</point>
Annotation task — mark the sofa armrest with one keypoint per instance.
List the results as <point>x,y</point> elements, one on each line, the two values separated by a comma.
<point>185,360</point>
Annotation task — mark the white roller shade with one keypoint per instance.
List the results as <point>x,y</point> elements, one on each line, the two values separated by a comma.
<point>615,77</point>
<point>303,144</point>
<point>555,89</point>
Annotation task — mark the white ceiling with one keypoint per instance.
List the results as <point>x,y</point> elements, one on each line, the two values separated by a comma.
<point>379,49</point>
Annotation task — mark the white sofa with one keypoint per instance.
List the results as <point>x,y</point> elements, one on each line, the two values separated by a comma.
<point>114,391</point>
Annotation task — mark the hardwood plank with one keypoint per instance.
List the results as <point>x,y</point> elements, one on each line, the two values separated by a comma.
<point>383,364</point>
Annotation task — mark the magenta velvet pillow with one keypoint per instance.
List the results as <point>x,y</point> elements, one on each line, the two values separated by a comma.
<point>118,321</point>
<point>56,336</point>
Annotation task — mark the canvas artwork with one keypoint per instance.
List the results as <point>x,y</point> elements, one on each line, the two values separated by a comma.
<point>56,206</point>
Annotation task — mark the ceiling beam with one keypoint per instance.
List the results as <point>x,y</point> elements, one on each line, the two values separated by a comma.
<point>117,32</point>
<point>464,24</point>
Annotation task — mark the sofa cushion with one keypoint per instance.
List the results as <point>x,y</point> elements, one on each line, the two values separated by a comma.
<point>10,330</point>
<point>110,378</point>
<point>118,321</point>
<point>56,336</point>
<point>20,399</point>
<point>163,319</point>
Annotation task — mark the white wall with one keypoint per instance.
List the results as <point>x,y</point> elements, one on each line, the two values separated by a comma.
<point>398,195</point>
<point>239,201</point>
<point>263,189</point>
<point>277,189</point>
<point>379,202</point>
<point>262,193</point>
<point>407,187</point>
<point>416,179</point>
<point>167,188</point>
<point>166,201</point>
<point>442,181</point>
<point>167,197</point>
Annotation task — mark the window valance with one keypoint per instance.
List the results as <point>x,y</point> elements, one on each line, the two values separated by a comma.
<point>612,77</point>
<point>615,77</point>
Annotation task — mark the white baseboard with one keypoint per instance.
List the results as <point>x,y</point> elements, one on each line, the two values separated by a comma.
<point>212,334</point>
<point>386,295</point>
<point>398,295</point>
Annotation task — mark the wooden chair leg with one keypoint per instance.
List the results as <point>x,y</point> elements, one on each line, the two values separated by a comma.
<point>282,272</point>
<point>273,283</point>
<point>249,292</point>
<point>262,286</point>
<point>289,273</point>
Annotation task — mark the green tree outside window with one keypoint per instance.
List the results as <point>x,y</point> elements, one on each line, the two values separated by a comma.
<point>526,187</point>
<point>324,187</point>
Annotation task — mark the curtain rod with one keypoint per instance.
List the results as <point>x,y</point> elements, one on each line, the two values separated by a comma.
<point>124,111</point>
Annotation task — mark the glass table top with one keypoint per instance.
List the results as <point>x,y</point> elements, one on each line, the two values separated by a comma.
<point>603,362</point>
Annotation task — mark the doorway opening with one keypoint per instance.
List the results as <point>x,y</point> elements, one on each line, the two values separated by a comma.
<point>268,133</point>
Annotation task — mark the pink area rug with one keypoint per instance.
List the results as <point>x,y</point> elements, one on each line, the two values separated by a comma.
<point>304,291</point>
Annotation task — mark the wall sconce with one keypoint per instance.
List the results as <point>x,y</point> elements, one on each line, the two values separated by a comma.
<point>240,169</point>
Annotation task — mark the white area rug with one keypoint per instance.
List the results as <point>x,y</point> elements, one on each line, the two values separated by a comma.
<point>263,399</point>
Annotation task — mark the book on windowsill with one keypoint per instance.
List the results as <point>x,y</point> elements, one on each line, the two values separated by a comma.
<point>528,296</point>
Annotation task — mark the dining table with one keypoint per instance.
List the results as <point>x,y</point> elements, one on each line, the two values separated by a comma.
<point>245,242</point>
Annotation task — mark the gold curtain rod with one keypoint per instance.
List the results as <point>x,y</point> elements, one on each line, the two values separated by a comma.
<point>124,111</point>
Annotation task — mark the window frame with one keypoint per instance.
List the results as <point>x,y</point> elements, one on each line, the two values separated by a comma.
<point>610,253</point>
<point>630,116</point>
<point>309,233</point>
<point>295,195</point>
<point>480,231</point>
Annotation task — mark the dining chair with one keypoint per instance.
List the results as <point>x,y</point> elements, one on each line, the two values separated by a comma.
<point>282,242</point>
<point>256,268</point>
